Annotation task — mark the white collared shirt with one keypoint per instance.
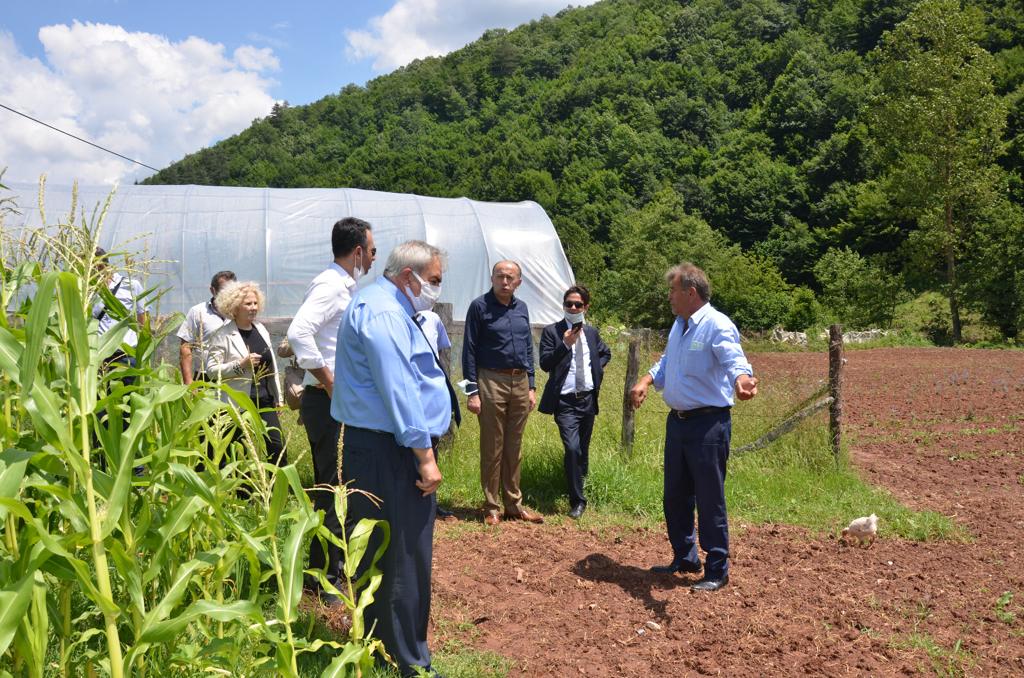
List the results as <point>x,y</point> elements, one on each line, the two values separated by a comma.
<point>313,334</point>
<point>129,293</point>
<point>569,385</point>
<point>434,331</point>
<point>201,321</point>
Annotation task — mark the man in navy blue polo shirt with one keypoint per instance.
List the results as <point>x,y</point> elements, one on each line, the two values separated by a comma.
<point>497,358</point>
<point>702,366</point>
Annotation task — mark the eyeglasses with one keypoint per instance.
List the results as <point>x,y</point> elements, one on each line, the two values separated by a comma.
<point>373,251</point>
<point>573,304</point>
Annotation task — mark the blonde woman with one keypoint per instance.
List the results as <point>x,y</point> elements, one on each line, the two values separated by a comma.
<point>240,356</point>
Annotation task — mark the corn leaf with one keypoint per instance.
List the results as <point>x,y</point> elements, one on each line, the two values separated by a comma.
<point>14,601</point>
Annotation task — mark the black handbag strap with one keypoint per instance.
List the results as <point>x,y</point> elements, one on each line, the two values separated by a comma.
<point>456,410</point>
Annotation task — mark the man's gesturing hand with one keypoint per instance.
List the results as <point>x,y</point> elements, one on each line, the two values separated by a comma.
<point>638,393</point>
<point>746,387</point>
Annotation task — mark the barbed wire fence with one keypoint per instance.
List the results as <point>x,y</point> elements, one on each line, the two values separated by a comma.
<point>829,395</point>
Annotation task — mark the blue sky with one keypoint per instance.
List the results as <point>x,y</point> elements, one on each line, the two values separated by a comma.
<point>307,38</point>
<point>156,80</point>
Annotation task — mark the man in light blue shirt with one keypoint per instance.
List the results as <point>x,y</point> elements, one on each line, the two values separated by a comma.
<point>698,372</point>
<point>395,401</point>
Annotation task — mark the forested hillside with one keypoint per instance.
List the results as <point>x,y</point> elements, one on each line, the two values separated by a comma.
<point>821,159</point>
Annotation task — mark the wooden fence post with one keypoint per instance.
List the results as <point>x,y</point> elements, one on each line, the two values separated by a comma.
<point>835,387</point>
<point>636,338</point>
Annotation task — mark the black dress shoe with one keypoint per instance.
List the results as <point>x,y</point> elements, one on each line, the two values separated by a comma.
<point>576,511</point>
<point>444,514</point>
<point>684,566</point>
<point>710,584</point>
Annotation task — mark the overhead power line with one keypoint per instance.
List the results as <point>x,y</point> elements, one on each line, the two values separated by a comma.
<point>84,141</point>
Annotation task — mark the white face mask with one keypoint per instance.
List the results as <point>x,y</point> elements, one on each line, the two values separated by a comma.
<point>429,294</point>
<point>357,268</point>
<point>573,318</point>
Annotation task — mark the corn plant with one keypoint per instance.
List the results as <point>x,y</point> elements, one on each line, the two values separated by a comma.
<point>141,529</point>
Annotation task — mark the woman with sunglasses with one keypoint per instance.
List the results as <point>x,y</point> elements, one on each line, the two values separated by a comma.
<point>574,356</point>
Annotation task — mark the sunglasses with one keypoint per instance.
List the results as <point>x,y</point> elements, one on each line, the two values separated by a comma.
<point>573,304</point>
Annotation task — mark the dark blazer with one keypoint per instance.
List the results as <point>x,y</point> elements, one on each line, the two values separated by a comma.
<point>555,357</point>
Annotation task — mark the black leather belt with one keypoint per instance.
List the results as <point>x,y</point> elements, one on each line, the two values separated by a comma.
<point>576,395</point>
<point>698,411</point>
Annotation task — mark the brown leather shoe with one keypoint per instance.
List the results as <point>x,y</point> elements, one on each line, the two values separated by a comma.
<point>525,514</point>
<point>492,518</point>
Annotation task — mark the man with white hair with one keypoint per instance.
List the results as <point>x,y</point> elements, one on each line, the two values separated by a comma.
<point>395,402</point>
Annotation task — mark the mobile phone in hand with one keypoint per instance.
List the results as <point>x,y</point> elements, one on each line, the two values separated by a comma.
<point>578,325</point>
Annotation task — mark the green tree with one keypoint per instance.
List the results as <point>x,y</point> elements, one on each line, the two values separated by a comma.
<point>994,272</point>
<point>856,292</point>
<point>648,241</point>
<point>938,123</point>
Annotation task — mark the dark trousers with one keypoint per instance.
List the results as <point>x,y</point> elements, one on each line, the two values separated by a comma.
<point>273,440</point>
<point>696,452</point>
<point>275,443</point>
<point>375,463</point>
<point>575,419</point>
<point>323,433</point>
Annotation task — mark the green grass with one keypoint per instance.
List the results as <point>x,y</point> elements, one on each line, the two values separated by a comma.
<point>946,662</point>
<point>794,481</point>
<point>1003,612</point>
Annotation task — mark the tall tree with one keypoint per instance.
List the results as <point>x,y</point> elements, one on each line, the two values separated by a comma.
<point>939,125</point>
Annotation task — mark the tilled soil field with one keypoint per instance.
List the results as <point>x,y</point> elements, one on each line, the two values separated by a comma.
<point>940,428</point>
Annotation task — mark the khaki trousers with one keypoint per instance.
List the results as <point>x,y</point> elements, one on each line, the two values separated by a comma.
<point>504,407</point>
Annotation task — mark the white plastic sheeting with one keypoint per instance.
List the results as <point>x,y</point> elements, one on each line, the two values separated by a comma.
<point>281,237</point>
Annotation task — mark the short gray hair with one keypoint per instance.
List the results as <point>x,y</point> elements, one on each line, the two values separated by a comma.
<point>414,254</point>
<point>690,276</point>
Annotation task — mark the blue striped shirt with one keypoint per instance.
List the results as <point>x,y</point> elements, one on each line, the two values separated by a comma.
<point>699,367</point>
<point>386,377</point>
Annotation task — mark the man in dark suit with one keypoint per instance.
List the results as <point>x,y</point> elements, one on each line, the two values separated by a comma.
<point>574,356</point>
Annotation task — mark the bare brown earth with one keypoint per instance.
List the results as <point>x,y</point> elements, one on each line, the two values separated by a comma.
<point>940,428</point>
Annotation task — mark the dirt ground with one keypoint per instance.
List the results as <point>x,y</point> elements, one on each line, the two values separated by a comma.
<point>940,428</point>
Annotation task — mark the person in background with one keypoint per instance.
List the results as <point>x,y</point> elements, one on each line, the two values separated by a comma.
<point>128,292</point>
<point>239,355</point>
<point>395,401</point>
<point>437,336</point>
<point>497,359</point>
<point>574,355</point>
<point>201,321</point>
<point>703,365</point>
<point>313,336</point>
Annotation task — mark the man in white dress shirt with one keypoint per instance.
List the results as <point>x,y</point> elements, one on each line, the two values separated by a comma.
<point>313,335</point>
<point>129,294</point>
<point>201,321</point>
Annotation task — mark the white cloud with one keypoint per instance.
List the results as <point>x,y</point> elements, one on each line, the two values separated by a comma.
<point>257,58</point>
<point>413,29</point>
<point>137,93</point>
